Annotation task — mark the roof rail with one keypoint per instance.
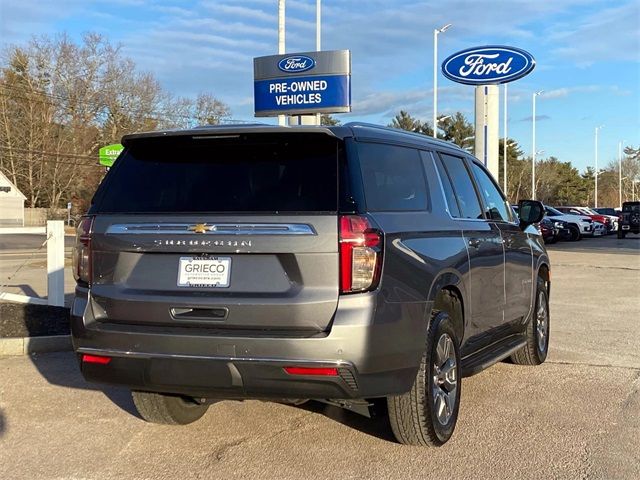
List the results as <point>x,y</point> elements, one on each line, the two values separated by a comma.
<point>235,124</point>
<point>422,136</point>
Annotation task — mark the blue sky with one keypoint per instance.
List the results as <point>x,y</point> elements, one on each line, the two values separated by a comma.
<point>587,53</point>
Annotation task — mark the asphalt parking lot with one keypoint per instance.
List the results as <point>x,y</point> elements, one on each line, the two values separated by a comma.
<point>576,416</point>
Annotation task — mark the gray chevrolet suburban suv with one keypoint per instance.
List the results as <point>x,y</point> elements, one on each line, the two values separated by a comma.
<point>357,265</point>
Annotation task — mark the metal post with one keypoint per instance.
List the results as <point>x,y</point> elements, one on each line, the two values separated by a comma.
<point>596,172</point>
<point>620,174</point>
<point>504,144</point>
<point>281,43</point>
<point>435,83</point>
<point>533,151</point>
<point>318,24</point>
<point>435,76</point>
<point>55,263</point>
<point>318,43</point>
<point>596,165</point>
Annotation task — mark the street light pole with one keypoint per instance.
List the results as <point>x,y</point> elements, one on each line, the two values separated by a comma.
<point>436,31</point>
<point>504,145</point>
<point>533,149</point>
<point>596,164</point>
<point>620,174</point>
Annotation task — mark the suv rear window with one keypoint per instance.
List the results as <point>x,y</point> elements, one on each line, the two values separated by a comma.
<point>240,173</point>
<point>631,207</point>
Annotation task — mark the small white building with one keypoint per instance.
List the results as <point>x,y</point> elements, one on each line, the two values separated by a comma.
<point>11,204</point>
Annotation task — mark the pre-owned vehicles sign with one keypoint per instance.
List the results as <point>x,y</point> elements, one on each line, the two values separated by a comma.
<point>310,82</point>
<point>491,64</point>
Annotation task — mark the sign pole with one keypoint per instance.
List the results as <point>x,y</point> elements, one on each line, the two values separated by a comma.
<point>486,127</point>
<point>281,45</point>
<point>318,43</point>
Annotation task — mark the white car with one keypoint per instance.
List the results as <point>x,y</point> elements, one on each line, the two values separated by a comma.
<point>599,229</point>
<point>579,225</point>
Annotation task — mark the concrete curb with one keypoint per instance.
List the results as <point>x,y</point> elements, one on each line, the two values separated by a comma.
<point>29,345</point>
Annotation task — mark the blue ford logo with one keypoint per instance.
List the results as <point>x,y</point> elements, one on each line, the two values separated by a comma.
<point>296,64</point>
<point>488,65</point>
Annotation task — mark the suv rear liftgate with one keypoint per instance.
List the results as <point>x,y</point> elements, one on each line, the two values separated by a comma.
<point>186,235</point>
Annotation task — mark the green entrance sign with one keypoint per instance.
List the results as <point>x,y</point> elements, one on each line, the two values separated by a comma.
<point>109,153</point>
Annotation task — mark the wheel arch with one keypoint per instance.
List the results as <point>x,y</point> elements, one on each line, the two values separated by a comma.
<point>544,272</point>
<point>447,293</point>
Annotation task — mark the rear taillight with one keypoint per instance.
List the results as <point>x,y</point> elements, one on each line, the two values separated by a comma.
<point>360,254</point>
<point>82,251</point>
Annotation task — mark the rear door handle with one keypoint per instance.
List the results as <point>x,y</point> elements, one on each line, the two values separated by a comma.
<point>474,242</point>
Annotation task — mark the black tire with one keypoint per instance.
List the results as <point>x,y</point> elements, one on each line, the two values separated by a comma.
<point>167,409</point>
<point>536,350</point>
<point>575,233</point>
<point>621,234</point>
<point>413,416</point>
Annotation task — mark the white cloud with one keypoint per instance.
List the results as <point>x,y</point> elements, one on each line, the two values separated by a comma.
<point>609,34</point>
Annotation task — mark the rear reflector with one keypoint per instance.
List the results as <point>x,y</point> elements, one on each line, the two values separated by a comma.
<point>100,360</point>
<point>327,372</point>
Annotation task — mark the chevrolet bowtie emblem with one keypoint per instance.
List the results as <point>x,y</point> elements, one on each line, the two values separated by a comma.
<point>199,228</point>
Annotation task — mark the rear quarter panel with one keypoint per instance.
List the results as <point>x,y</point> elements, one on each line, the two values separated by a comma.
<point>424,252</point>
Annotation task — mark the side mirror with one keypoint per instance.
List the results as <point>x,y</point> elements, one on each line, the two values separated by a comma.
<point>530,212</point>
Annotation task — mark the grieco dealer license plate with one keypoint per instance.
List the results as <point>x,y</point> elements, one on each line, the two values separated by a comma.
<point>204,272</point>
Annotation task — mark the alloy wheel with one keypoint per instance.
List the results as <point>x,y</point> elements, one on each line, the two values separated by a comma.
<point>445,379</point>
<point>542,323</point>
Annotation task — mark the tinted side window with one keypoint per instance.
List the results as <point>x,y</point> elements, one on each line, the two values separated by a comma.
<point>393,178</point>
<point>449,194</point>
<point>463,186</point>
<point>495,206</point>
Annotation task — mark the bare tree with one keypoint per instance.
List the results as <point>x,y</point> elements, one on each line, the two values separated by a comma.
<point>61,100</point>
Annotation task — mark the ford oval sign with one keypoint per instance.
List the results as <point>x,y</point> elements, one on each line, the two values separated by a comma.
<point>296,64</point>
<point>488,65</point>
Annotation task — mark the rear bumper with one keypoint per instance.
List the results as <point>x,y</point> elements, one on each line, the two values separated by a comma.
<point>372,359</point>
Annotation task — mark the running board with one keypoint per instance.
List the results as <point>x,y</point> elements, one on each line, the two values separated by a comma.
<point>491,354</point>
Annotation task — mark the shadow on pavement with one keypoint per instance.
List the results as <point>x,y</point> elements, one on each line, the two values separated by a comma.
<point>62,369</point>
<point>26,289</point>
<point>378,426</point>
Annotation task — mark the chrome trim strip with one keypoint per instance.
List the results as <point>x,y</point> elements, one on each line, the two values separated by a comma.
<point>277,361</point>
<point>212,229</point>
